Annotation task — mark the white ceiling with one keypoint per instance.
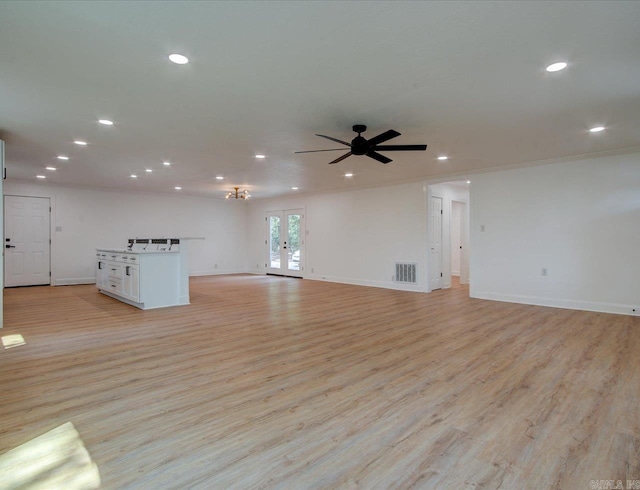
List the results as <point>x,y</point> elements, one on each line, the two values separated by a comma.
<point>467,78</point>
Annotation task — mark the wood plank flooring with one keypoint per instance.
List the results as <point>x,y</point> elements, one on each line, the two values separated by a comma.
<point>267,382</point>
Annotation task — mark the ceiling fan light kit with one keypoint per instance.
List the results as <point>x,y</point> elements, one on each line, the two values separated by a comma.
<point>361,146</point>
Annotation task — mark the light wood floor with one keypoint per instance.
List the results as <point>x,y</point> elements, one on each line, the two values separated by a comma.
<point>267,382</point>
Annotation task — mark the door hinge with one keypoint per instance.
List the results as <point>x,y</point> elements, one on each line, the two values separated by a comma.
<point>441,211</point>
<point>49,241</point>
<point>265,242</point>
<point>265,265</point>
<point>49,208</point>
<point>49,273</point>
<point>441,274</point>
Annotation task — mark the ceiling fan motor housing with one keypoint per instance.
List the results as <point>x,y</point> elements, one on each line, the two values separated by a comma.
<point>359,144</point>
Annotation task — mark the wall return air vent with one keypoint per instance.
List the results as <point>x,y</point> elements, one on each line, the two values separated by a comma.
<point>406,273</point>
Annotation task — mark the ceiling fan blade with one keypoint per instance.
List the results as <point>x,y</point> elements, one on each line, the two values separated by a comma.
<point>400,148</point>
<point>381,138</point>
<point>339,159</point>
<point>377,156</point>
<point>316,151</point>
<point>334,139</point>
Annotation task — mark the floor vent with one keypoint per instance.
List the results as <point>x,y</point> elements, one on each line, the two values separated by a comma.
<point>406,273</point>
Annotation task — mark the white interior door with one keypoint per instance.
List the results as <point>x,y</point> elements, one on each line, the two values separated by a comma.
<point>435,243</point>
<point>27,243</point>
<point>285,242</point>
<point>456,237</point>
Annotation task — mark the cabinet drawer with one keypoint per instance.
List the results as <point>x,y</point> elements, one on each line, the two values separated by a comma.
<point>114,271</point>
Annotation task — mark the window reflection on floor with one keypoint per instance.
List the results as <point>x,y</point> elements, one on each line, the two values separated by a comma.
<point>52,461</point>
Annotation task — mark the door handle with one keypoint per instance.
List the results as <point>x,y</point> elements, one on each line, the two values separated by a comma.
<point>9,246</point>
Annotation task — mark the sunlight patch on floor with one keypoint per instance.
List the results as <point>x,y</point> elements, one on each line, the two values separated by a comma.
<point>56,460</point>
<point>15,340</point>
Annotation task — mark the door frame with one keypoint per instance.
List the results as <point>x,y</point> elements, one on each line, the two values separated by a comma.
<point>464,239</point>
<point>284,270</point>
<point>4,224</point>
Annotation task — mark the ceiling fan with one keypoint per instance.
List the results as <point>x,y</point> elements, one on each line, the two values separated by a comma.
<point>361,146</point>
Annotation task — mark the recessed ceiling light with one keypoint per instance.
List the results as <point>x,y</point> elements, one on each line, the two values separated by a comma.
<point>106,122</point>
<point>134,176</point>
<point>348,174</point>
<point>443,157</point>
<point>260,156</point>
<point>50,168</point>
<point>468,182</point>
<point>178,188</point>
<point>148,170</point>
<point>62,157</point>
<point>80,143</point>
<point>179,59</point>
<point>294,188</point>
<point>41,176</point>
<point>219,177</point>
<point>596,129</point>
<point>166,164</point>
<point>560,65</point>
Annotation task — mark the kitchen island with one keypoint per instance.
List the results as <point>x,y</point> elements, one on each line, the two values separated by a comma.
<point>144,279</point>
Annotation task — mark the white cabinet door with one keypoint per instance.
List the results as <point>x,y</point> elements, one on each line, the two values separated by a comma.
<point>134,272</point>
<point>126,281</point>
<point>100,267</point>
<point>131,283</point>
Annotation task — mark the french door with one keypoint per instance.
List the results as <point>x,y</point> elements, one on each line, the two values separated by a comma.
<point>27,252</point>
<point>285,242</point>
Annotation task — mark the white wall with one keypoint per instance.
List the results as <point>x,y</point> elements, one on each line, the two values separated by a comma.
<point>353,237</point>
<point>580,220</point>
<point>90,219</point>
<point>449,193</point>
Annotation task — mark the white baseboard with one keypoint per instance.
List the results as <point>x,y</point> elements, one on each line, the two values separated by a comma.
<point>376,284</point>
<point>92,280</point>
<point>455,273</point>
<point>569,304</point>
<point>74,280</point>
<point>217,272</point>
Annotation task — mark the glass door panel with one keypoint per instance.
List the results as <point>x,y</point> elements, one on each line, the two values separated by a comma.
<point>293,242</point>
<point>274,241</point>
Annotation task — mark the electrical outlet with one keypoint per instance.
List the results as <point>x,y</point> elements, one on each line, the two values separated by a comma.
<point>481,227</point>
<point>257,266</point>
<point>215,266</point>
<point>312,270</point>
<point>544,271</point>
